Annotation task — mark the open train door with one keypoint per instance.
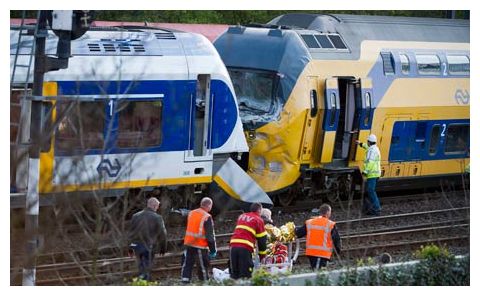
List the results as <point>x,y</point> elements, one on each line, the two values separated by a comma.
<point>364,116</point>
<point>330,119</point>
<point>200,123</point>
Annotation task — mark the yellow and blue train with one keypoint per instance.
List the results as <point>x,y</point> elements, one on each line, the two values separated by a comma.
<point>309,85</point>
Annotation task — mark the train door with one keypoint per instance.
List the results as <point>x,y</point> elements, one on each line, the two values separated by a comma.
<point>356,113</point>
<point>310,122</point>
<point>200,121</point>
<point>330,118</point>
<point>364,110</point>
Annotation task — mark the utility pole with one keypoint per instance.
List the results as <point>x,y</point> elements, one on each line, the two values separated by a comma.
<point>67,25</point>
<point>32,205</point>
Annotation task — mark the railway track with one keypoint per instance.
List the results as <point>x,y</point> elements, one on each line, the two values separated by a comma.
<point>360,238</point>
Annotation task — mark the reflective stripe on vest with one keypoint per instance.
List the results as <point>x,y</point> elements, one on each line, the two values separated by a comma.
<point>195,234</point>
<point>242,241</point>
<point>319,241</point>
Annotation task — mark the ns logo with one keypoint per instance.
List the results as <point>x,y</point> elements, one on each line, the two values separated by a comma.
<point>462,96</point>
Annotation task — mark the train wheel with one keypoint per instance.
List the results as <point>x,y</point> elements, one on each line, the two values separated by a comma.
<point>287,198</point>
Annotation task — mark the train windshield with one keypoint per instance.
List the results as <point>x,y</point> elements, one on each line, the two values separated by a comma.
<point>257,97</point>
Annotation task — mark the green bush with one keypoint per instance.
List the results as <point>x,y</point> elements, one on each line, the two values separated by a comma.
<point>437,267</point>
<point>141,282</point>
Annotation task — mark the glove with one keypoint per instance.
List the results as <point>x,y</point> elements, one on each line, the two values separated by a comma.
<point>212,255</point>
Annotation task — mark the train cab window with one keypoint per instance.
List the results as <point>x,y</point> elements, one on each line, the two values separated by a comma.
<point>428,64</point>
<point>458,65</point>
<point>139,124</point>
<point>388,63</point>
<point>457,139</point>
<point>434,139</point>
<point>405,64</point>
<point>81,125</point>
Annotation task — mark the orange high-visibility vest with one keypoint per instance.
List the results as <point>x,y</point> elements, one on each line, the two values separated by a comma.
<point>195,234</point>
<point>319,240</point>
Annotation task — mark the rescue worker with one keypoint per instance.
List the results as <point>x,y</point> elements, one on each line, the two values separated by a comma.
<point>147,234</point>
<point>199,240</point>
<point>322,237</point>
<point>371,171</point>
<point>250,229</point>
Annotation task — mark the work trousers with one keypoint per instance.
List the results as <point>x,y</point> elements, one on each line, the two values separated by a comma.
<point>317,262</point>
<point>241,263</point>
<point>192,256</point>
<point>144,259</point>
<point>371,204</point>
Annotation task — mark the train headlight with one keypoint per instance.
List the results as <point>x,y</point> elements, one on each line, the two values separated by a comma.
<point>275,166</point>
<point>251,135</point>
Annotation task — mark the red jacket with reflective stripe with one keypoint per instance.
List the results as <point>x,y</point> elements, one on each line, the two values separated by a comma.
<point>195,235</point>
<point>319,239</point>
<point>250,228</point>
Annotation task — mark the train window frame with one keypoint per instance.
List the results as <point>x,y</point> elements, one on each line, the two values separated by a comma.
<point>405,63</point>
<point>450,63</point>
<point>456,137</point>
<point>423,62</point>
<point>68,121</point>
<point>140,135</point>
<point>437,140</point>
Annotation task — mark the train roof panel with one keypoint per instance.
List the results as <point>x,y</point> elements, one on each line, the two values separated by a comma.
<point>126,41</point>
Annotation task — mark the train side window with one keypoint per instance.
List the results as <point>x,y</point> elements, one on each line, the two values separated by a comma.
<point>81,125</point>
<point>310,41</point>
<point>428,64</point>
<point>405,64</point>
<point>139,124</point>
<point>313,103</point>
<point>333,102</point>
<point>458,65</point>
<point>434,139</point>
<point>368,107</point>
<point>324,41</point>
<point>388,63</point>
<point>457,139</point>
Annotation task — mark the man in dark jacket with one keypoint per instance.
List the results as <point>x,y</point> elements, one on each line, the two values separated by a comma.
<point>147,233</point>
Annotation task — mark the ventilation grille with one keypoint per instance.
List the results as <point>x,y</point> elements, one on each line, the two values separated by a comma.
<point>116,47</point>
<point>166,35</point>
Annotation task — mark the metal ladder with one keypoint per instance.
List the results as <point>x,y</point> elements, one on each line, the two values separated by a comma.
<point>20,147</point>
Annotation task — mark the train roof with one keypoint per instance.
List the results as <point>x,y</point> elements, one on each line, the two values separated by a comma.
<point>352,30</point>
<point>124,40</point>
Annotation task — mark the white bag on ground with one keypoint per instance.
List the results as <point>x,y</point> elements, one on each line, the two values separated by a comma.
<point>220,275</point>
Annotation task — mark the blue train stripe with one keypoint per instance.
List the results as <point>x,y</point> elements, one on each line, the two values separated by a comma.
<point>178,99</point>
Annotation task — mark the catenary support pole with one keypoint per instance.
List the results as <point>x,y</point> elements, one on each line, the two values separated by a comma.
<point>32,199</point>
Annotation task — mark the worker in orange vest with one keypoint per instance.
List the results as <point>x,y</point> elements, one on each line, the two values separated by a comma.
<point>199,240</point>
<point>250,229</point>
<point>322,237</point>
